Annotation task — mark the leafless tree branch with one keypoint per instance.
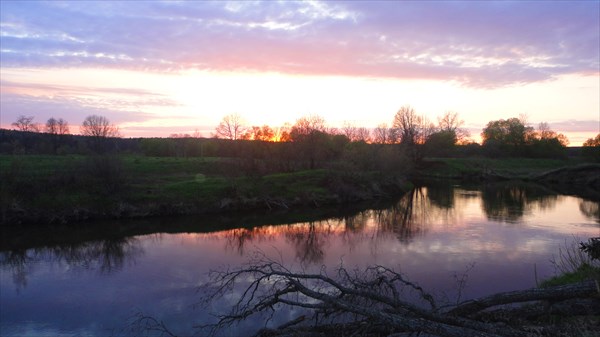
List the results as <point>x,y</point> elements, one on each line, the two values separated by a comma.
<point>373,296</point>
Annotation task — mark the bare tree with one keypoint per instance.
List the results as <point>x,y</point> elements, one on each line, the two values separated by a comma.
<point>382,134</point>
<point>363,135</point>
<point>57,126</point>
<point>282,133</point>
<point>545,133</point>
<point>197,134</point>
<point>25,123</point>
<point>355,133</point>
<point>99,127</point>
<point>407,121</point>
<point>450,122</point>
<point>349,130</point>
<point>309,136</point>
<point>413,129</point>
<point>231,127</point>
<point>308,125</point>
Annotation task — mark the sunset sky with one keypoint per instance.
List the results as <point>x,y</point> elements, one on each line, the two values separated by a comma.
<point>162,67</point>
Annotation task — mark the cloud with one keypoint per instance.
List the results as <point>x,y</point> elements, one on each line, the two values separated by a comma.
<point>29,97</point>
<point>71,109</point>
<point>479,44</point>
<point>167,131</point>
<point>589,126</point>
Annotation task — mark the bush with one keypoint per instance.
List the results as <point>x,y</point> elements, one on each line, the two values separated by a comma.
<point>591,248</point>
<point>104,175</point>
<point>576,262</point>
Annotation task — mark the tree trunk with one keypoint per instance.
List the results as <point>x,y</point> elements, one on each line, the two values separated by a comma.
<point>558,293</point>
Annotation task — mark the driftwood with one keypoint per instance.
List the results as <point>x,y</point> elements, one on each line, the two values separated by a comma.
<point>379,301</point>
<point>374,300</point>
<point>558,293</point>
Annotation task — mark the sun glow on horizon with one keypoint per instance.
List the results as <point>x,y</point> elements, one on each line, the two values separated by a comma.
<point>149,103</point>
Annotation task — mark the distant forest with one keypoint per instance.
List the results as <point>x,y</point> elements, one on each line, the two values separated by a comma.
<point>308,142</point>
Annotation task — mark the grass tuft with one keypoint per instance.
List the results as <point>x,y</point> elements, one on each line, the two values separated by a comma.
<point>572,265</point>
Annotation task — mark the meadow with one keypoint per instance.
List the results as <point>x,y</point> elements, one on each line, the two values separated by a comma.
<point>72,188</point>
<point>46,188</point>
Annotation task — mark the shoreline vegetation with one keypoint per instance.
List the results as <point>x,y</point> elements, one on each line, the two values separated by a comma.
<point>46,189</point>
<point>71,189</point>
<point>54,177</point>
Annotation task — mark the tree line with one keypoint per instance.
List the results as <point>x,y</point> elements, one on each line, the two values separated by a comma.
<point>314,142</point>
<point>418,136</point>
<point>93,125</point>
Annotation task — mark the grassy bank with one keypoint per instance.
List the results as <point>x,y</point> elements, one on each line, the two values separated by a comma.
<point>38,188</point>
<point>482,168</point>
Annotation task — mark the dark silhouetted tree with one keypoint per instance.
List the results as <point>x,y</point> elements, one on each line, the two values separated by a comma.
<point>440,143</point>
<point>413,130</point>
<point>506,136</point>
<point>544,133</point>
<point>355,133</point>
<point>544,142</point>
<point>591,148</point>
<point>383,134</point>
<point>451,123</point>
<point>57,126</point>
<point>513,137</point>
<point>99,127</point>
<point>407,122</point>
<point>231,127</point>
<point>592,142</point>
<point>25,123</point>
<point>310,135</point>
<point>264,133</point>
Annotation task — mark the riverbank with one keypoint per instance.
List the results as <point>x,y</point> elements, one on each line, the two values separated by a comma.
<point>572,177</point>
<point>486,169</point>
<point>154,264</point>
<point>69,189</point>
<point>46,189</point>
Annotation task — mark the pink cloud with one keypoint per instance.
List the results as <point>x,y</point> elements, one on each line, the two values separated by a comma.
<point>480,44</point>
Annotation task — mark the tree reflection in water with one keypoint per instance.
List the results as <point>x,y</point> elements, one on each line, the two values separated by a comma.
<point>237,239</point>
<point>411,216</point>
<point>106,256</point>
<point>407,218</point>
<point>509,202</point>
<point>309,240</point>
<point>590,209</point>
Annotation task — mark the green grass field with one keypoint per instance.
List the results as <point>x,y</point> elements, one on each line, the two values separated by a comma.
<point>53,184</point>
<point>507,167</point>
<point>56,183</point>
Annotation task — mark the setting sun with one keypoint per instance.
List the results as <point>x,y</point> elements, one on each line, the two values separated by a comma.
<point>345,61</point>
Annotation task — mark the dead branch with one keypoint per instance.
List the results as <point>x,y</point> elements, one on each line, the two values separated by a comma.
<point>558,293</point>
<point>374,296</point>
<point>143,325</point>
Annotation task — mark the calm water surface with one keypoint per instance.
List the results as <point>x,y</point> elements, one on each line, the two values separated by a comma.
<point>500,234</point>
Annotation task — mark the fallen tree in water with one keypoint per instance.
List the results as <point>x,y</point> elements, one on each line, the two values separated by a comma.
<point>377,301</point>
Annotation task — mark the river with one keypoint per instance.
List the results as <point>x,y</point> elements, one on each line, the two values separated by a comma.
<point>459,242</point>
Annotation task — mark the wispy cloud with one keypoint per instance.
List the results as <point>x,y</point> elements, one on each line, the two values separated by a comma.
<point>480,44</point>
<point>72,108</point>
<point>74,103</point>
<point>589,126</point>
